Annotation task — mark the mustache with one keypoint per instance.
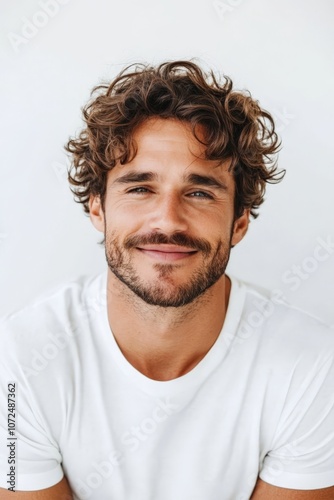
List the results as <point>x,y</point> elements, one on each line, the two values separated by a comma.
<point>174,239</point>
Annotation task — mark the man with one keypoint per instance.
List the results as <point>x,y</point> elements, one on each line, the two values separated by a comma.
<point>167,379</point>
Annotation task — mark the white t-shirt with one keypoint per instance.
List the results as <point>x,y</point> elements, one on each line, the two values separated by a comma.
<point>260,403</point>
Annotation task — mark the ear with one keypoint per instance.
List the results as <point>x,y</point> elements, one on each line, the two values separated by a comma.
<point>96,213</point>
<point>240,227</point>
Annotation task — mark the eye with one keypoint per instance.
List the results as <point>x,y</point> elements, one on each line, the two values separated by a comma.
<point>200,194</point>
<point>138,190</point>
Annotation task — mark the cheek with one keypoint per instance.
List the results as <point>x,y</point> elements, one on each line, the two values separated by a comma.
<point>127,209</point>
<point>121,221</point>
<point>215,226</point>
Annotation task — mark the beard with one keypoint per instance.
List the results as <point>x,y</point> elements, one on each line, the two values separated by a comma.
<point>163,292</point>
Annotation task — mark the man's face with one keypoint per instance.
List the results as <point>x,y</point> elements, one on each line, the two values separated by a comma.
<point>168,216</point>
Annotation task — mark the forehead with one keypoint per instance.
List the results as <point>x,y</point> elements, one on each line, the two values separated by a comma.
<point>171,140</point>
<point>157,134</point>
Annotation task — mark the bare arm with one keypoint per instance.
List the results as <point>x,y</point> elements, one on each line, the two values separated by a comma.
<point>265,491</point>
<point>60,491</point>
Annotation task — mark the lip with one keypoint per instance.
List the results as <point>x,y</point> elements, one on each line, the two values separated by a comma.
<point>167,253</point>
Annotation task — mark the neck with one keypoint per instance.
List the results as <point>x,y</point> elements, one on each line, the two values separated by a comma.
<point>165,343</point>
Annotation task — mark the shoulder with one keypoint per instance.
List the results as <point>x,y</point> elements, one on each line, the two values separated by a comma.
<point>282,334</point>
<point>270,310</point>
<point>287,355</point>
<point>62,310</point>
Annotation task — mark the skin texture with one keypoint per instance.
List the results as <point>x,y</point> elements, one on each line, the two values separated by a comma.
<point>265,491</point>
<point>60,491</point>
<point>167,342</point>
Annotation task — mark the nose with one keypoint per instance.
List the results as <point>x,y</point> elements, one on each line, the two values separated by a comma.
<point>168,215</point>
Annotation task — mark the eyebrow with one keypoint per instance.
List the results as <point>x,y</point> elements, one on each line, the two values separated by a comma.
<point>206,180</point>
<point>195,179</point>
<point>131,177</point>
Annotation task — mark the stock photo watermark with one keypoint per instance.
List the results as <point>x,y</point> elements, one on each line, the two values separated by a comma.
<point>282,119</point>
<point>294,278</point>
<point>11,435</point>
<point>30,27</point>
<point>302,271</point>
<point>131,440</point>
<point>225,7</point>
<point>61,171</point>
<point>58,341</point>
<point>263,309</point>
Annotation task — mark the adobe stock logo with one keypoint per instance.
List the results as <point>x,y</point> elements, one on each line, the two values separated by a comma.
<point>132,439</point>
<point>302,271</point>
<point>223,8</point>
<point>31,27</point>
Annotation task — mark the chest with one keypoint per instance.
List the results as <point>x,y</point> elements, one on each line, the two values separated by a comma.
<point>122,443</point>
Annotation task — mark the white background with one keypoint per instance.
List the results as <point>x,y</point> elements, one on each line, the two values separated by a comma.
<point>281,50</point>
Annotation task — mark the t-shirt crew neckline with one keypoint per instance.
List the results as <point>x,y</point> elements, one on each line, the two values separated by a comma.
<point>195,376</point>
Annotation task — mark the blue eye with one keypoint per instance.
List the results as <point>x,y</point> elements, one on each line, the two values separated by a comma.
<point>200,194</point>
<point>138,190</point>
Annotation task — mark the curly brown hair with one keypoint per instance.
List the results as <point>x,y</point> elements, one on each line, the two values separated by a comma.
<point>235,128</point>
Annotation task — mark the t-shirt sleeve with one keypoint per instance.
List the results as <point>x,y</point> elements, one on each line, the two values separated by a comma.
<point>302,451</point>
<point>29,456</point>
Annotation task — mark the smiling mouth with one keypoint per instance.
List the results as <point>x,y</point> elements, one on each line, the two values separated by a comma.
<point>167,253</point>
